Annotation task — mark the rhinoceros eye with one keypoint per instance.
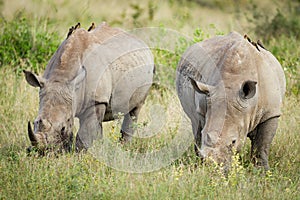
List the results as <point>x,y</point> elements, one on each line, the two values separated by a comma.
<point>248,89</point>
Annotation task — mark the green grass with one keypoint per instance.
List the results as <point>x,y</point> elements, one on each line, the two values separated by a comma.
<point>81,176</point>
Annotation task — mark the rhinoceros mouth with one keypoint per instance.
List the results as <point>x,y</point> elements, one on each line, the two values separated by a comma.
<point>62,143</point>
<point>37,139</point>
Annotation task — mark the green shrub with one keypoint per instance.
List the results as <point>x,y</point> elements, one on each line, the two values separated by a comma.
<point>286,20</point>
<point>25,45</point>
<point>287,52</point>
<point>280,33</point>
<point>279,25</point>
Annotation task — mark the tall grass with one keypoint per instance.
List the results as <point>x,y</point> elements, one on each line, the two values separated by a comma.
<point>81,176</point>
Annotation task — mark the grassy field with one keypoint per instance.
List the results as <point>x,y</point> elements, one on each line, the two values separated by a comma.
<point>29,39</point>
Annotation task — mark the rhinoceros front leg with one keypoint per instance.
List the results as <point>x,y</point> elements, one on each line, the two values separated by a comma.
<point>197,136</point>
<point>127,129</point>
<point>197,126</point>
<point>90,126</point>
<point>261,140</point>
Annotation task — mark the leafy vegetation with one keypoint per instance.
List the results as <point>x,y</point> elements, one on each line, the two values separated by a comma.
<point>285,22</point>
<point>28,42</point>
<point>281,32</point>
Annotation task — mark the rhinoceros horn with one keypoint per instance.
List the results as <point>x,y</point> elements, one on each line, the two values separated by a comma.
<point>31,135</point>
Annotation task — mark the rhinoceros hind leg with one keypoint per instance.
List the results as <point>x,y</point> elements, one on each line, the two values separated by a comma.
<point>261,140</point>
<point>90,126</point>
<point>127,129</point>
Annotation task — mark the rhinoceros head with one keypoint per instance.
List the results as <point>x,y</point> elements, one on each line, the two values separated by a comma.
<point>227,118</point>
<point>53,125</point>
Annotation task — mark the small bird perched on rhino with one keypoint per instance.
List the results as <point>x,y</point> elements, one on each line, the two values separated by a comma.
<point>231,88</point>
<point>93,75</point>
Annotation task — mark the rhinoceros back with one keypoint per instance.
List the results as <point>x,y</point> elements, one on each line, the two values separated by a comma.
<point>119,71</point>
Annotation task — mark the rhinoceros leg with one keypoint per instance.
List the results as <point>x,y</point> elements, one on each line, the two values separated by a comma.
<point>197,136</point>
<point>90,126</point>
<point>197,126</point>
<point>127,129</point>
<point>261,139</point>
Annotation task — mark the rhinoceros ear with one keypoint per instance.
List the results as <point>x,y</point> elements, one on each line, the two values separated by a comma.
<point>248,89</point>
<point>33,79</point>
<point>200,87</point>
<point>81,74</point>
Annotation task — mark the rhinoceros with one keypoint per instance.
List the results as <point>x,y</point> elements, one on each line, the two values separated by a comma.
<point>231,88</point>
<point>94,75</point>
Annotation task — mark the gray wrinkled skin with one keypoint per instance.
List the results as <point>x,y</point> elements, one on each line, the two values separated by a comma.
<point>93,76</point>
<point>230,90</point>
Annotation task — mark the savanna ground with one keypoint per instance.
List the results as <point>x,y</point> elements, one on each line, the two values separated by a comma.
<point>32,30</point>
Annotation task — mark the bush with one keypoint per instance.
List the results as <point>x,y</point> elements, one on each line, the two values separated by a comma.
<point>23,45</point>
<point>286,21</point>
<point>287,52</point>
<point>280,33</point>
<point>280,25</point>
